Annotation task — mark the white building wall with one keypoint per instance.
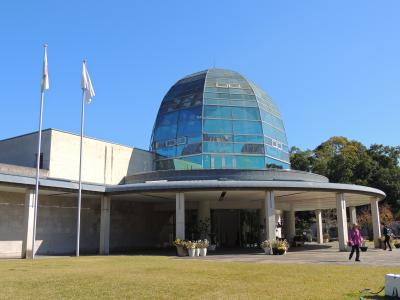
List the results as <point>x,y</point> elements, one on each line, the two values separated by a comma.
<point>21,150</point>
<point>103,162</point>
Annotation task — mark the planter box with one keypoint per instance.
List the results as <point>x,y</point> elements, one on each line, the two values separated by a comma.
<point>267,251</point>
<point>180,251</point>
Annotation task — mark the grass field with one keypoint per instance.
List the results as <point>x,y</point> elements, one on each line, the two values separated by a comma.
<point>122,277</point>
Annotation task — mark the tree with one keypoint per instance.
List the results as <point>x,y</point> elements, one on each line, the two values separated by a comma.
<point>349,161</point>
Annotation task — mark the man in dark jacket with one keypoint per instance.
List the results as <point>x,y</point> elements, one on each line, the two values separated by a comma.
<point>387,232</point>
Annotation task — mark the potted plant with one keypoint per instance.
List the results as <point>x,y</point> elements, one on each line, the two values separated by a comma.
<point>191,248</point>
<point>396,243</point>
<point>364,246</point>
<point>266,245</point>
<point>197,248</point>
<point>180,247</point>
<point>202,245</point>
<point>279,247</point>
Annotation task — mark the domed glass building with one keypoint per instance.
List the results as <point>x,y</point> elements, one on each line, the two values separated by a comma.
<point>218,119</point>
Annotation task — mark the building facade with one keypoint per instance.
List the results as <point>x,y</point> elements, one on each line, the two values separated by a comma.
<point>218,166</point>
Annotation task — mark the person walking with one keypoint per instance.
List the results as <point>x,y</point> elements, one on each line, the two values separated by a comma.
<point>355,241</point>
<point>387,233</point>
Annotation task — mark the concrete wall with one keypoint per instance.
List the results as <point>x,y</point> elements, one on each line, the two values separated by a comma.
<point>103,162</point>
<point>11,224</point>
<point>134,225</point>
<point>137,225</point>
<point>56,225</point>
<point>21,150</point>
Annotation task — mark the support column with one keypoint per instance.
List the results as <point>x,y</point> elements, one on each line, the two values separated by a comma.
<point>292,223</point>
<point>270,224</point>
<point>341,221</point>
<point>262,221</point>
<point>204,215</point>
<point>180,216</point>
<point>104,248</point>
<point>353,215</point>
<point>29,210</point>
<point>376,226</point>
<point>320,236</point>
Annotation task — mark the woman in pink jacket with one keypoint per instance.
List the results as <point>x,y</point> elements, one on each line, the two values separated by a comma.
<point>355,241</point>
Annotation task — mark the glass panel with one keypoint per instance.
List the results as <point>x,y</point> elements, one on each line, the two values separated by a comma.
<point>218,147</point>
<point>189,123</point>
<point>189,149</point>
<point>218,126</point>
<point>274,133</point>
<point>249,148</point>
<point>250,162</point>
<point>229,162</point>
<point>247,127</point>
<point>220,138</point>
<point>216,162</point>
<point>272,163</point>
<point>207,161</point>
<point>166,126</point>
<point>166,164</point>
<point>167,152</point>
<point>245,113</point>
<point>249,138</point>
<point>271,119</point>
<point>221,112</point>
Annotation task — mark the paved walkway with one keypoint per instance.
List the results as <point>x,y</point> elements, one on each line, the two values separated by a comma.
<point>310,254</point>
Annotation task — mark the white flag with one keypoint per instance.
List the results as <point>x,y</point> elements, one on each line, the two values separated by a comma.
<point>86,84</point>
<point>44,85</point>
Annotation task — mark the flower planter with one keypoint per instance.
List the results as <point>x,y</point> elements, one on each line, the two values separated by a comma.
<point>197,252</point>
<point>364,248</point>
<point>278,251</point>
<point>203,251</point>
<point>180,251</point>
<point>191,252</point>
<point>267,250</point>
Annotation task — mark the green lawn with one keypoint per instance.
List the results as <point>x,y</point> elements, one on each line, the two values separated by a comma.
<point>119,277</point>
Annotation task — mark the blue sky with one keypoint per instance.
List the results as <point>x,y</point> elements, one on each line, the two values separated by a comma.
<point>332,67</point>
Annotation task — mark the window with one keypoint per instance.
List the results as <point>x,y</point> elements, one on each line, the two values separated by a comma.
<point>220,112</point>
<point>170,143</point>
<point>223,85</point>
<point>247,127</point>
<point>250,162</point>
<point>234,85</point>
<point>166,126</point>
<point>245,113</point>
<point>189,122</point>
<point>218,126</point>
<point>181,140</point>
<point>249,148</point>
<point>219,138</point>
<point>218,147</point>
<point>40,161</point>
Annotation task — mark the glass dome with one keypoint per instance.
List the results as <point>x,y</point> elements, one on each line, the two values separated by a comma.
<point>217,119</point>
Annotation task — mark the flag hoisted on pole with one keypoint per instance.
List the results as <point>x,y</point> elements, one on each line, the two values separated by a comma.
<point>44,85</point>
<point>87,94</point>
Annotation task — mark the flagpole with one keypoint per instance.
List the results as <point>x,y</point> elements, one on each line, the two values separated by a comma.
<point>78,227</point>
<point>36,199</point>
